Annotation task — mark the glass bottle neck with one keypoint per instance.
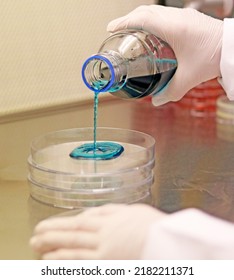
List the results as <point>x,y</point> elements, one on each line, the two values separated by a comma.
<point>104,72</point>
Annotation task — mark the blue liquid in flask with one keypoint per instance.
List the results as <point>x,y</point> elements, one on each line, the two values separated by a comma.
<point>97,150</point>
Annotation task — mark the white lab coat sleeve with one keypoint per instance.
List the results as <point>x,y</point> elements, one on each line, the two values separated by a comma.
<point>189,235</point>
<point>227,58</point>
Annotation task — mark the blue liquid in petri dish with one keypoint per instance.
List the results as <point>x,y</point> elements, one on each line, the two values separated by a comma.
<point>103,150</point>
<point>97,150</point>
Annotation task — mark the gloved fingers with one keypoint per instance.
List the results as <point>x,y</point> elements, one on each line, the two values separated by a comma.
<point>178,86</point>
<point>61,223</point>
<point>160,99</point>
<point>71,254</point>
<point>172,92</point>
<point>104,209</point>
<point>161,21</point>
<point>80,221</point>
<point>87,220</point>
<point>131,20</point>
<point>53,240</point>
<point>137,19</point>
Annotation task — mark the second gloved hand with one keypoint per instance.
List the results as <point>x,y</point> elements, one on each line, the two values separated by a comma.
<point>107,232</point>
<point>195,38</point>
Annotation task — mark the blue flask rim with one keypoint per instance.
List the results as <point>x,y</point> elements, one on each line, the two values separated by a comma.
<point>107,61</point>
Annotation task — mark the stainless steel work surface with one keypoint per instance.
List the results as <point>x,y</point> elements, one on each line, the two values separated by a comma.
<point>194,166</point>
<point>194,160</point>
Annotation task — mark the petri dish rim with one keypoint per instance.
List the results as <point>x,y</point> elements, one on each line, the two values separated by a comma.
<point>93,175</point>
<point>34,150</point>
<point>83,191</point>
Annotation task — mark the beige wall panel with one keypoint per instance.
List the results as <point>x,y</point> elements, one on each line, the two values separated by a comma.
<point>43,46</point>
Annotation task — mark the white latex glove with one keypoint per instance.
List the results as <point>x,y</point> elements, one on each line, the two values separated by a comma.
<point>106,232</point>
<point>195,38</point>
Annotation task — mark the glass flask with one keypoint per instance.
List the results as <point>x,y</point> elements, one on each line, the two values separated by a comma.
<point>130,64</point>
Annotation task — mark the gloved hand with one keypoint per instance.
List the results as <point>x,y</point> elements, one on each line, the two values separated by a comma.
<point>195,38</point>
<point>105,232</point>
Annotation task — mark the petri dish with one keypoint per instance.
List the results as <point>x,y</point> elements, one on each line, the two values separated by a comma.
<point>225,119</point>
<point>225,111</point>
<point>59,180</point>
<point>201,100</point>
